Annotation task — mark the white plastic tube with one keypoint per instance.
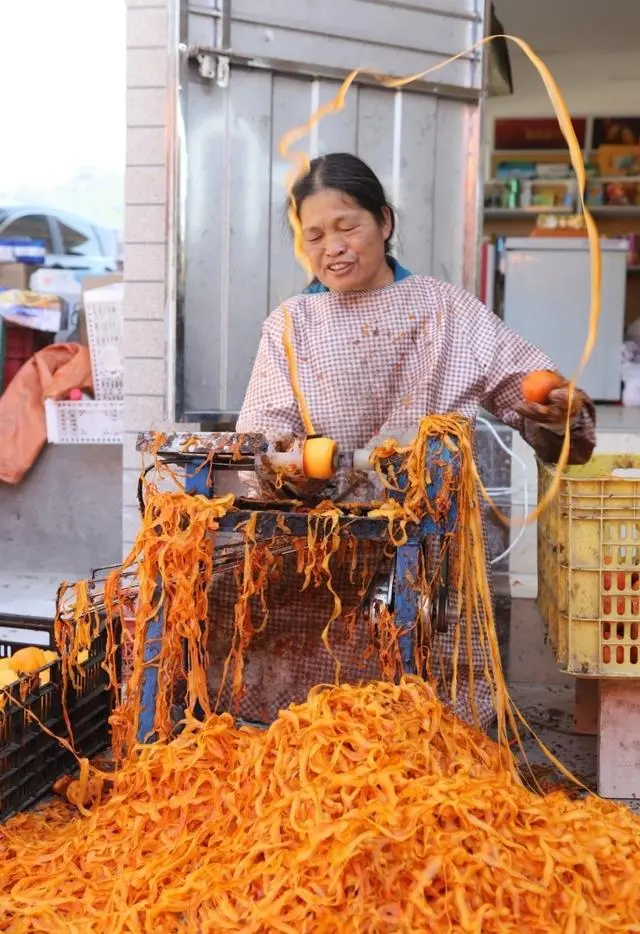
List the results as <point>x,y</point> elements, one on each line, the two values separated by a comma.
<point>509,490</point>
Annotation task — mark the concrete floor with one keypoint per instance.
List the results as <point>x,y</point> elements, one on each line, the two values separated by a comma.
<point>545,696</point>
<point>548,710</point>
<point>64,518</point>
<point>546,699</point>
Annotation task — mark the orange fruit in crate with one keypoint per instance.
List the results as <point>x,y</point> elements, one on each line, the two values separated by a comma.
<point>538,386</point>
<point>26,661</point>
<point>45,676</point>
<point>6,678</point>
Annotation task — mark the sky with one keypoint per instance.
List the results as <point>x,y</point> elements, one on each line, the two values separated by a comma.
<point>63,80</point>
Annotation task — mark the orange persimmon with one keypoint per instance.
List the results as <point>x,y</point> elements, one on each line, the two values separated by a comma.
<point>538,386</point>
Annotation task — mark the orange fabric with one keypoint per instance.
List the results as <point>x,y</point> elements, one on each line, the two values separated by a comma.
<point>51,373</point>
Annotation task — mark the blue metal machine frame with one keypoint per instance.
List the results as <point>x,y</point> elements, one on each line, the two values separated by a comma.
<point>200,471</point>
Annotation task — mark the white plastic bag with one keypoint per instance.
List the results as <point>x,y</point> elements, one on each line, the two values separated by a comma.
<point>633,331</point>
<point>630,373</point>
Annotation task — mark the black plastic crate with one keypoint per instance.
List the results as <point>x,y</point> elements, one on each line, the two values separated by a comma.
<point>16,632</point>
<point>31,760</point>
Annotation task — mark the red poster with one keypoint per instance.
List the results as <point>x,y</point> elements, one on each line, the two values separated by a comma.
<point>538,133</point>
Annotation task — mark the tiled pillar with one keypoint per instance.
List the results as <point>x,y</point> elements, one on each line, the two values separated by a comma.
<point>145,239</point>
<point>619,739</point>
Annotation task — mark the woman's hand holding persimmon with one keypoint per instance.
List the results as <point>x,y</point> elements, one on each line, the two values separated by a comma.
<point>545,400</point>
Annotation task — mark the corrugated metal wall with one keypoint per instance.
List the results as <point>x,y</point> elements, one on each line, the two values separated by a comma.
<point>396,36</point>
<point>239,261</point>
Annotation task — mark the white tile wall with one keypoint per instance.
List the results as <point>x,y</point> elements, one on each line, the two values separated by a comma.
<point>146,68</point>
<point>145,299</point>
<point>144,411</point>
<point>130,486</point>
<point>144,184</point>
<point>131,459</point>
<point>130,527</point>
<point>145,145</point>
<point>145,241</point>
<point>143,377</point>
<point>144,261</point>
<point>147,26</point>
<point>146,224</point>
<point>143,339</point>
<point>146,106</point>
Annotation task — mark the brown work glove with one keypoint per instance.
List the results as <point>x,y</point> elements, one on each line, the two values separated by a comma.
<point>553,415</point>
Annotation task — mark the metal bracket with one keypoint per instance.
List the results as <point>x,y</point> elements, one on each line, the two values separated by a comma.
<point>435,607</point>
<point>379,597</point>
<point>214,67</point>
<point>223,71</point>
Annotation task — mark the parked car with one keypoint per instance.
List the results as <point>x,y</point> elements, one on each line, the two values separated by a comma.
<point>71,241</point>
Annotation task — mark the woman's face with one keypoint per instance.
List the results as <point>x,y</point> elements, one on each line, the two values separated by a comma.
<point>344,243</point>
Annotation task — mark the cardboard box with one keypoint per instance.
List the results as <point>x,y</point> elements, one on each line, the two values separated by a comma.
<point>96,282</point>
<point>16,275</point>
<point>63,284</point>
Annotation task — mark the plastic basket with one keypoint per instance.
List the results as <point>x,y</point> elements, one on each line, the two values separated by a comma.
<point>87,421</point>
<point>30,759</point>
<point>103,314</point>
<point>589,567</point>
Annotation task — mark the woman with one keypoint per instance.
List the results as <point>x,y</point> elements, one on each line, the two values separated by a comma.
<point>377,349</point>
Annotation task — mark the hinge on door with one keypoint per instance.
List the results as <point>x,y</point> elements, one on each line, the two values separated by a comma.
<point>214,67</point>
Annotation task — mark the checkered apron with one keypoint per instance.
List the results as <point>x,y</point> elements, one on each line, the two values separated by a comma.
<point>371,363</point>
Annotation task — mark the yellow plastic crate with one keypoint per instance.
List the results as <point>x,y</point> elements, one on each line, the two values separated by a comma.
<point>589,566</point>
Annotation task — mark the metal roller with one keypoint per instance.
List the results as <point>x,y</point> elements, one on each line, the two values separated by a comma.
<point>312,458</point>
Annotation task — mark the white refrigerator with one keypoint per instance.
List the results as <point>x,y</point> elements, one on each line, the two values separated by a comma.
<point>546,300</point>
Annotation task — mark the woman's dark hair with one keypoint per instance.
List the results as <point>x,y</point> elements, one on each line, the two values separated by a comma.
<point>353,177</point>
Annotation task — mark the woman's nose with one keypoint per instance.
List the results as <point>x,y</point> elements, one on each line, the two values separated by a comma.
<point>335,245</point>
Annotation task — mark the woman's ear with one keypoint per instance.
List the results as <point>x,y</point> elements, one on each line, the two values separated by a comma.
<point>387,223</point>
